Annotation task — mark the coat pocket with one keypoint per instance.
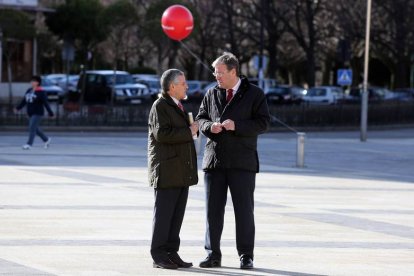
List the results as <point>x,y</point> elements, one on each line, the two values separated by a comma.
<point>171,174</point>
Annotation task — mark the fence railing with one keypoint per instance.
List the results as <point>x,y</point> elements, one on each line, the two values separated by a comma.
<point>293,115</point>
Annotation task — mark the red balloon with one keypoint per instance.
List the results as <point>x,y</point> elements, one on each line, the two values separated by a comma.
<point>177,22</point>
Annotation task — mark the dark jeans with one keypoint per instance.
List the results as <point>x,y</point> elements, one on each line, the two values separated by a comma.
<point>34,122</point>
<point>169,212</point>
<point>241,184</point>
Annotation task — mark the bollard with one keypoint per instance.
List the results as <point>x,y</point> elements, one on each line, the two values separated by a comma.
<point>300,157</point>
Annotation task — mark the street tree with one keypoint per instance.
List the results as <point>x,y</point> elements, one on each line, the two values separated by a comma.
<point>78,21</point>
<point>15,27</point>
<point>120,21</point>
<point>301,18</point>
<point>393,38</point>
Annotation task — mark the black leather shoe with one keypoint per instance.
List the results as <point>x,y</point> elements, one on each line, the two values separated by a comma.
<point>246,262</point>
<point>210,262</point>
<point>167,264</point>
<point>175,258</point>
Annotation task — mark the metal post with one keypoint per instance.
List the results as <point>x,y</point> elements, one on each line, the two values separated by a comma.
<point>34,68</point>
<point>1,54</point>
<point>364,107</point>
<point>82,92</point>
<point>411,71</point>
<point>261,73</point>
<point>300,154</point>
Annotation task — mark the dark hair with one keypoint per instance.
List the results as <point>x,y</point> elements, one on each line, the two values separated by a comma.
<point>37,79</point>
<point>169,77</point>
<point>229,60</point>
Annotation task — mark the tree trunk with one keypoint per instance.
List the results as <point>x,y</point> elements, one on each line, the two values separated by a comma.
<point>310,69</point>
<point>273,64</point>
<point>9,80</point>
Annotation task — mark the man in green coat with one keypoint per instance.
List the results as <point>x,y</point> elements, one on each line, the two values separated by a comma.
<point>172,167</point>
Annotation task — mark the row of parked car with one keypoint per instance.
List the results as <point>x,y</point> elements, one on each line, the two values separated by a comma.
<point>99,88</point>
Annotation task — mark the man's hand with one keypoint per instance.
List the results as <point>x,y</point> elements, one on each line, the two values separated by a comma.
<point>216,128</point>
<point>194,128</point>
<point>229,125</point>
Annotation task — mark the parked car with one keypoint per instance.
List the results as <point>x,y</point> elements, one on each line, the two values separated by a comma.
<point>54,93</point>
<point>153,86</point>
<point>69,83</point>
<point>375,94</point>
<point>324,95</point>
<point>404,94</point>
<point>100,88</point>
<point>137,77</point>
<point>54,78</point>
<point>285,94</point>
<point>196,90</point>
<point>267,84</point>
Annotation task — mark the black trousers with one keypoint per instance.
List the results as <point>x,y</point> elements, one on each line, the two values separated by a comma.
<point>169,209</point>
<point>241,184</point>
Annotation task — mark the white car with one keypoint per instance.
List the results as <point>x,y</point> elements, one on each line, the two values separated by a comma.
<point>324,95</point>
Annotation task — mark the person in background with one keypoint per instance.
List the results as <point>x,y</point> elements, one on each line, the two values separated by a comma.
<point>35,101</point>
<point>231,116</point>
<point>172,168</point>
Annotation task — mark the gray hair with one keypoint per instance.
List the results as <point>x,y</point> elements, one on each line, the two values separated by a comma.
<point>229,60</point>
<point>168,77</point>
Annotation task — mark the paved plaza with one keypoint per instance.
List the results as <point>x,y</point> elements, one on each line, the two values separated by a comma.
<point>83,207</point>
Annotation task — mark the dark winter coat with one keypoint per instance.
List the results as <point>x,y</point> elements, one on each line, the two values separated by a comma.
<point>35,101</point>
<point>172,159</point>
<point>250,113</point>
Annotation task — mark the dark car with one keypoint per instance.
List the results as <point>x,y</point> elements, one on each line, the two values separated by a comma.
<point>100,88</point>
<point>285,94</point>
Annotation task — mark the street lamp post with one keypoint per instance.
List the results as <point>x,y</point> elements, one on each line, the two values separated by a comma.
<point>261,65</point>
<point>1,54</point>
<point>364,103</point>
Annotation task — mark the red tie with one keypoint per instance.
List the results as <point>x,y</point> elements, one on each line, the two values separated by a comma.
<point>181,106</point>
<point>229,95</point>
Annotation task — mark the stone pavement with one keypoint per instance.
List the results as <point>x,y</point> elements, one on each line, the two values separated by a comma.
<point>83,207</point>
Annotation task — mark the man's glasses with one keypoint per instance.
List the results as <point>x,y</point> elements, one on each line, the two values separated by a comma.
<point>218,74</point>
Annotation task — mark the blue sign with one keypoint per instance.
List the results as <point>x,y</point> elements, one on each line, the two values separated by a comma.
<point>344,77</point>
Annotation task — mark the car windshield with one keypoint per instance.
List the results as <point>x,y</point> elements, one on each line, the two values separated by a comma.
<point>46,82</point>
<point>317,92</point>
<point>120,79</point>
<point>153,84</point>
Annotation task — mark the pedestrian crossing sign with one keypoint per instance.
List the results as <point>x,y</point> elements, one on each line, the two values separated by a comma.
<point>344,77</point>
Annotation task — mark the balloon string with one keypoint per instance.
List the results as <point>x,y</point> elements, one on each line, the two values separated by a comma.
<point>196,57</point>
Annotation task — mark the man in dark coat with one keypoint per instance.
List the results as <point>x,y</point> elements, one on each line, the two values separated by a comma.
<point>172,165</point>
<point>36,100</point>
<point>231,116</point>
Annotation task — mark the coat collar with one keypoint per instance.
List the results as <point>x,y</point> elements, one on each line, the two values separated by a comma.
<point>221,94</point>
<point>167,98</point>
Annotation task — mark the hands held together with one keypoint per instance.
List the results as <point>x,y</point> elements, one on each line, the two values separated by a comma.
<point>218,127</point>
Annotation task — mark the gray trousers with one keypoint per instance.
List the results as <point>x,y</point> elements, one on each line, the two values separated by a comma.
<point>34,129</point>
